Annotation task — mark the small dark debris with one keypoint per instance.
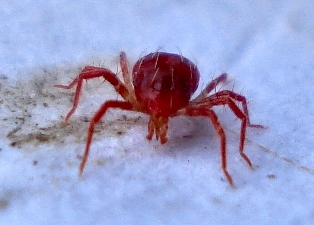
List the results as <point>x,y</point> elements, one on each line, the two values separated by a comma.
<point>85,119</point>
<point>271,176</point>
<point>37,137</point>
<point>188,136</point>
<point>45,105</point>
<point>35,162</point>
<point>42,137</point>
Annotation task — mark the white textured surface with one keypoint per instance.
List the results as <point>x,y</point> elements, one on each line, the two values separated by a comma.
<point>267,48</point>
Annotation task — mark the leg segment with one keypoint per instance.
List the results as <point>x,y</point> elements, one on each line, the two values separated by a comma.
<point>211,114</point>
<point>241,115</point>
<point>126,74</point>
<point>159,126</point>
<point>90,72</point>
<point>151,129</point>
<point>211,86</point>
<point>227,98</point>
<point>226,94</point>
<point>96,118</point>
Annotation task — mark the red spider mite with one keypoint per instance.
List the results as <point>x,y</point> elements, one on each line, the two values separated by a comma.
<point>161,86</point>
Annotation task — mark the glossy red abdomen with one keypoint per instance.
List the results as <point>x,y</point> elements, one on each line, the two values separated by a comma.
<point>164,82</point>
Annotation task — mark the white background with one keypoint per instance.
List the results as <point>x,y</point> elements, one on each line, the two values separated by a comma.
<point>266,47</point>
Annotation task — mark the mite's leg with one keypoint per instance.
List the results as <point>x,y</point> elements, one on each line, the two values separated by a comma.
<point>205,111</point>
<point>211,86</point>
<point>90,72</point>
<point>96,118</point>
